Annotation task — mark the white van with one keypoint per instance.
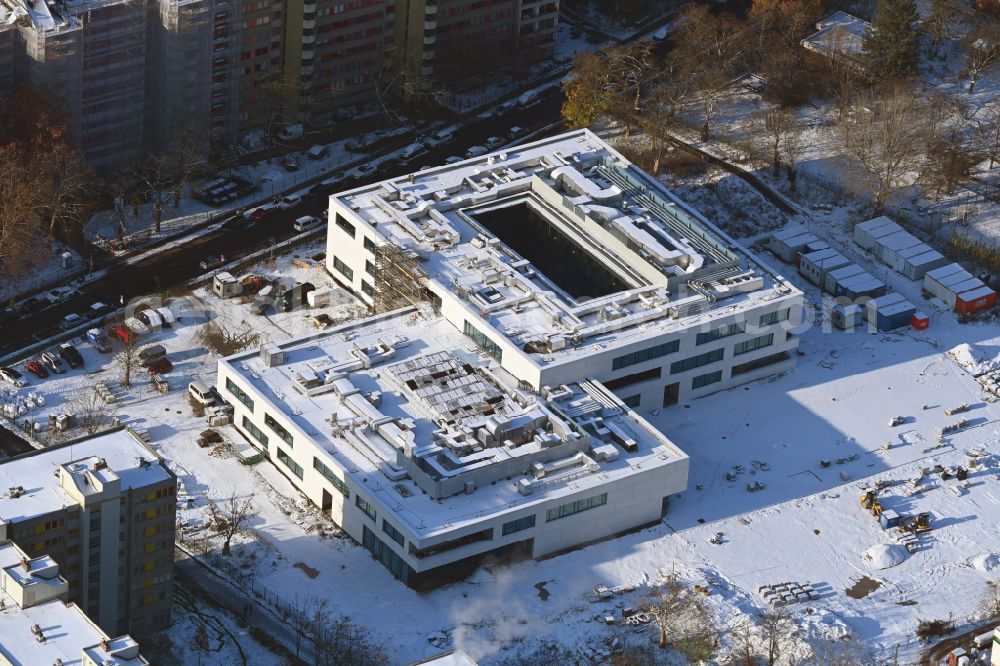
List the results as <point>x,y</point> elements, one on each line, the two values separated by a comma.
<point>201,393</point>
<point>306,222</point>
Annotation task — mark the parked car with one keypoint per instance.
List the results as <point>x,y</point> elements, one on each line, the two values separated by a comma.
<point>123,333</point>
<point>529,98</point>
<point>59,294</point>
<point>31,304</point>
<point>260,212</point>
<point>12,376</point>
<point>71,321</point>
<point>237,223</point>
<point>99,309</point>
<point>306,222</point>
<point>441,137</point>
<point>291,133</point>
<point>201,393</point>
<point>291,163</point>
<point>211,262</point>
<point>137,326</point>
<point>54,363</point>
<point>99,340</point>
<point>476,151</point>
<point>150,318</point>
<point>494,142</point>
<point>7,314</point>
<point>290,201</point>
<point>318,152</point>
<point>454,159</point>
<point>412,152</point>
<point>504,107</point>
<point>38,368</point>
<point>151,354</point>
<point>71,355</point>
<point>162,366</point>
<point>361,171</point>
<point>516,132</point>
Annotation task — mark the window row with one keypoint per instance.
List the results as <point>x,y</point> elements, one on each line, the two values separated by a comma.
<point>576,507</point>
<point>239,393</point>
<point>645,354</point>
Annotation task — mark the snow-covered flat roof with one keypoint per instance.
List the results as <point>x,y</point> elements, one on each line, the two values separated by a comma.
<point>562,245</point>
<point>66,630</point>
<point>38,473</point>
<point>412,410</point>
<point>839,34</point>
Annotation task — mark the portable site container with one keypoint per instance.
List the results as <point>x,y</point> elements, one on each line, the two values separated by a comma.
<point>975,300</point>
<point>917,266</point>
<point>838,274</point>
<point>811,246</point>
<point>920,321</point>
<point>226,286</point>
<point>937,282</point>
<point>894,316</point>
<point>889,519</point>
<point>887,248</point>
<point>846,317</point>
<point>787,243</point>
<point>815,265</point>
<point>881,302</point>
<point>859,286</point>
<point>867,232</point>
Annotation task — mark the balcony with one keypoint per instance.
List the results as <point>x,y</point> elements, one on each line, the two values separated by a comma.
<point>430,24</point>
<point>427,70</point>
<point>309,8</point>
<point>429,40</point>
<point>308,39</point>
<point>306,70</point>
<point>308,23</point>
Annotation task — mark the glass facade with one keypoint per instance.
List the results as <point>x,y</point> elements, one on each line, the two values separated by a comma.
<point>331,477</point>
<point>774,317</point>
<point>393,533</point>
<point>343,269</point>
<point>257,433</point>
<point>706,379</point>
<point>576,507</point>
<point>286,460</point>
<point>697,361</point>
<point>525,523</point>
<point>365,506</point>
<point>278,429</point>
<point>645,354</point>
<point>480,339</point>
<point>756,343</point>
<point>721,332</point>
<point>386,555</point>
<point>239,393</point>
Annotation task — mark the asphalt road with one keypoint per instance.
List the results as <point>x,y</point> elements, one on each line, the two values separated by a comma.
<point>174,266</point>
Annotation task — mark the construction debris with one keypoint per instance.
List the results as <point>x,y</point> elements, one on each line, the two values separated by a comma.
<point>783,594</point>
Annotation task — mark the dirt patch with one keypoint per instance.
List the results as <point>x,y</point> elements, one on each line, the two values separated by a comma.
<point>863,588</point>
<point>306,569</point>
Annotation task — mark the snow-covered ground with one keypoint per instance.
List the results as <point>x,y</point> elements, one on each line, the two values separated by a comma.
<point>49,271</point>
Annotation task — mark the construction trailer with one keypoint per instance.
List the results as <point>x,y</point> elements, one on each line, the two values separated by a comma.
<point>224,285</point>
<point>847,317</point>
<point>815,265</point>
<point>920,321</point>
<point>889,312</point>
<point>866,233</point>
<point>859,286</point>
<point>959,289</point>
<point>788,242</point>
<point>832,277</point>
<point>811,246</point>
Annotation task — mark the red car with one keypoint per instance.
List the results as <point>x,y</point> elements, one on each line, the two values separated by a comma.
<point>37,368</point>
<point>122,333</point>
<point>161,366</point>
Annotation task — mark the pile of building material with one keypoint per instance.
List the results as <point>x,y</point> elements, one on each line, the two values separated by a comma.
<point>783,594</point>
<point>897,249</point>
<point>959,289</point>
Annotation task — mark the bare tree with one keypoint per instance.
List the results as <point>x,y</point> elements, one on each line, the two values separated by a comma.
<point>885,137</point>
<point>771,127</point>
<point>989,602</point>
<point>683,619</point>
<point>231,516</point>
<point>939,18</point>
<point>127,359</point>
<point>951,156</point>
<point>776,627</point>
<point>744,651</point>
<point>982,50</point>
<point>656,122</point>
<point>793,147</point>
<point>989,131</point>
<point>90,409</point>
<point>843,652</point>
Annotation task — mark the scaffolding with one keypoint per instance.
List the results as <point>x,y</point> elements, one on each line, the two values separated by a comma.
<point>399,279</point>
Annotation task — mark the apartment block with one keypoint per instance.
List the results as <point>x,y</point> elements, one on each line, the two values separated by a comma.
<point>38,625</point>
<point>104,508</point>
<point>441,42</point>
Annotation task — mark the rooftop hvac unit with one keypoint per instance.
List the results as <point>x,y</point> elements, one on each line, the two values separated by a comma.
<point>271,355</point>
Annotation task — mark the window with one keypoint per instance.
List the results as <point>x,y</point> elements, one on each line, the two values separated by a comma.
<point>287,461</point>
<point>369,267</point>
<point>393,533</point>
<point>760,363</point>
<point>575,507</point>
<point>482,535</point>
<point>490,347</point>
<point>748,346</point>
<point>367,288</point>
<point>365,506</point>
<point>384,554</point>
<point>525,523</point>
<point>628,380</point>
<point>633,401</point>
<point>255,431</point>
<point>343,269</point>
<point>278,429</point>
<point>705,380</point>
<point>774,317</point>
<point>331,477</point>
<point>344,225</point>
<point>697,361</point>
<point>721,332</point>
<point>239,393</point>
<point>369,244</point>
<point>645,354</point>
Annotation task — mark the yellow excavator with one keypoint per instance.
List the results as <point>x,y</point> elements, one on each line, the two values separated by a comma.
<point>916,524</point>
<point>870,502</point>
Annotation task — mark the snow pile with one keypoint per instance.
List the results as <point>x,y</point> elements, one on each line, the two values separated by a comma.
<point>986,561</point>
<point>885,555</point>
<point>975,359</point>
